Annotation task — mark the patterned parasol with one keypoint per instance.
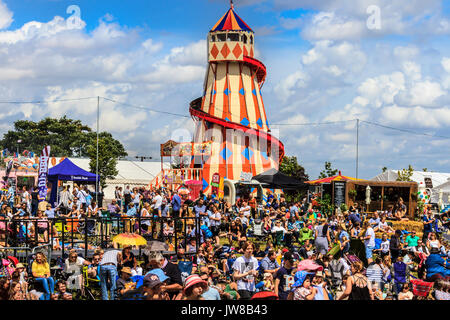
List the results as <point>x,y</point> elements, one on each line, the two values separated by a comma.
<point>131,239</point>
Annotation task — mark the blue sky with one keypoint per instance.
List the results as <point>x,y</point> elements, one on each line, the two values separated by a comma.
<point>324,64</point>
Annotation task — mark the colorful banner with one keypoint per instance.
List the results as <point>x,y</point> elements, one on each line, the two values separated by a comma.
<point>43,172</point>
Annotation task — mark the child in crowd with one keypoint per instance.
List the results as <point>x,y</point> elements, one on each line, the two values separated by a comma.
<point>406,293</point>
<point>268,282</point>
<point>384,246</point>
<point>303,290</point>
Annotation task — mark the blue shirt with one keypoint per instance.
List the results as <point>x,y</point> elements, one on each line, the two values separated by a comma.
<point>50,213</point>
<point>427,227</point>
<point>343,234</point>
<point>211,294</point>
<point>176,202</point>
<point>131,212</point>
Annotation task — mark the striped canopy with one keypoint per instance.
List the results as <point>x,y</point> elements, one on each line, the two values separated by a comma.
<point>339,177</point>
<point>231,21</point>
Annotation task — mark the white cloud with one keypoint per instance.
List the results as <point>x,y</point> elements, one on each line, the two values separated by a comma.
<point>343,19</point>
<point>307,140</point>
<point>6,16</point>
<point>421,116</point>
<point>382,89</point>
<point>326,25</point>
<point>446,64</point>
<point>425,93</point>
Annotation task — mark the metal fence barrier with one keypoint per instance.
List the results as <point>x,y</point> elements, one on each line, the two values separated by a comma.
<point>87,233</point>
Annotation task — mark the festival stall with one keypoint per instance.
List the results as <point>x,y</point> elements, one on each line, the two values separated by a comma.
<point>335,186</point>
<point>68,171</point>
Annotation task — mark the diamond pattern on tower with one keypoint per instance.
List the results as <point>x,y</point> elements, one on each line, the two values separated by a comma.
<point>226,119</point>
<point>259,123</point>
<point>237,51</point>
<point>251,52</point>
<point>214,51</point>
<point>245,122</point>
<point>245,51</point>
<point>247,153</point>
<point>205,185</point>
<point>226,153</point>
<point>242,91</point>
<point>227,92</point>
<point>225,51</point>
<point>254,92</point>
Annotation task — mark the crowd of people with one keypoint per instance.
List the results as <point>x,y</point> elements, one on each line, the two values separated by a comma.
<point>279,250</point>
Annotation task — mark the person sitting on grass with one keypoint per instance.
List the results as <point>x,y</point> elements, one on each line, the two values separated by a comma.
<point>194,288</point>
<point>61,292</point>
<point>302,288</point>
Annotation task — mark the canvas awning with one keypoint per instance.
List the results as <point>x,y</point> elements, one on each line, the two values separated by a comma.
<point>277,180</point>
<point>339,177</point>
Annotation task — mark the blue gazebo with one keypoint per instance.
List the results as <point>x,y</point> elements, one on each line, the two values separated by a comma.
<point>68,171</point>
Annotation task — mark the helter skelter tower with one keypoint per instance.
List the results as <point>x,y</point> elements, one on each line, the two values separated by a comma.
<point>231,113</point>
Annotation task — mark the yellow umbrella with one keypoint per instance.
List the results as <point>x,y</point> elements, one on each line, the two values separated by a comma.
<point>131,239</point>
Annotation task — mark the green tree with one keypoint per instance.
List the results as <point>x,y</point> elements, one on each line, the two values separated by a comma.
<point>384,169</point>
<point>328,171</point>
<point>109,151</point>
<point>405,174</point>
<point>66,137</point>
<point>291,167</point>
<point>425,169</point>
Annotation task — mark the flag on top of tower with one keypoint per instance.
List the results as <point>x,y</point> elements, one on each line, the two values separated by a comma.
<point>231,21</point>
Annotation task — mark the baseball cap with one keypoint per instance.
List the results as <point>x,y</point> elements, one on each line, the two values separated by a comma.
<point>151,280</point>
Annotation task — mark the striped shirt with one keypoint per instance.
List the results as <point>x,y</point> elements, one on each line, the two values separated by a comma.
<point>374,273</point>
<point>110,257</point>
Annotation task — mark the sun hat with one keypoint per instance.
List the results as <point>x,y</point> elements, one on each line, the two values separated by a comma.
<point>194,279</point>
<point>319,274</point>
<point>126,270</point>
<point>151,280</point>
<point>160,273</point>
<point>299,278</point>
<point>19,265</point>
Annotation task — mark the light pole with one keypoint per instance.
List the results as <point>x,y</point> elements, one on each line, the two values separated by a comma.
<point>96,178</point>
<point>357,146</point>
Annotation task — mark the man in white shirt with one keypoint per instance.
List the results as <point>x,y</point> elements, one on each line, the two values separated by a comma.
<point>245,209</point>
<point>157,202</point>
<point>82,194</point>
<point>369,241</point>
<point>245,270</point>
<point>214,222</point>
